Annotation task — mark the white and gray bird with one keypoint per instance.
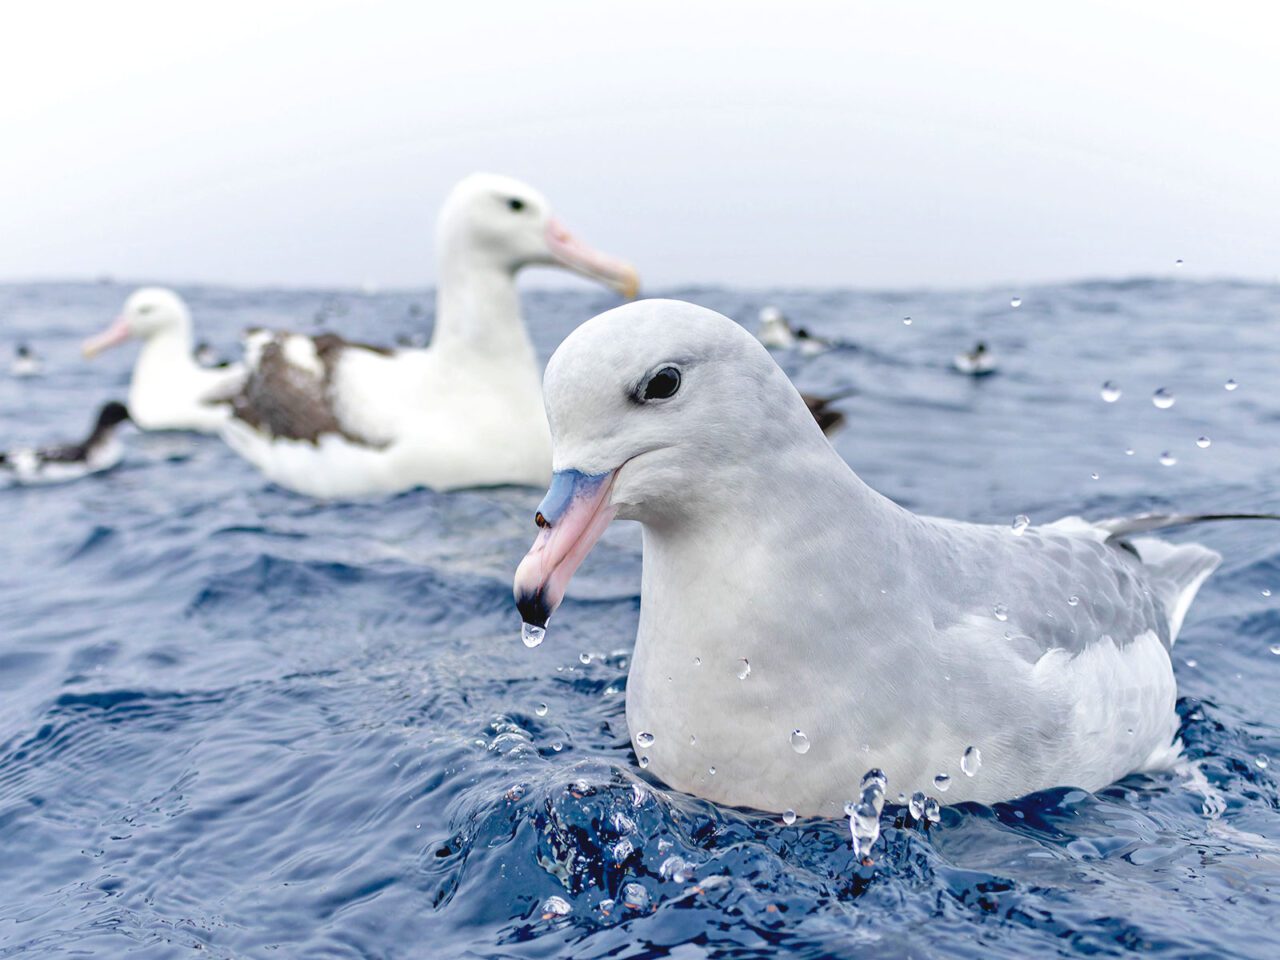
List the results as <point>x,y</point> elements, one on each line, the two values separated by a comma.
<point>978,362</point>
<point>25,362</point>
<point>797,628</point>
<point>776,333</point>
<point>99,451</point>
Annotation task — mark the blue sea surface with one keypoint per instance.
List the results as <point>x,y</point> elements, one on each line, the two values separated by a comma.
<point>240,722</point>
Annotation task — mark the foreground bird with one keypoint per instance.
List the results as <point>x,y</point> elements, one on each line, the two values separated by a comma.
<point>168,389</point>
<point>331,418</point>
<point>797,628</point>
<point>100,451</point>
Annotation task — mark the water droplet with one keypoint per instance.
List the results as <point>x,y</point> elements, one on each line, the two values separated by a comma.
<point>871,791</point>
<point>1231,384</point>
<point>1262,761</point>
<point>1001,612</point>
<point>540,709</point>
<point>555,907</point>
<point>1178,262</point>
<point>1266,592</point>
<point>1163,399</point>
<point>916,805</point>
<point>907,321</point>
<point>645,739</point>
<point>531,635</point>
<point>711,770</point>
<point>932,810</point>
<point>1275,648</point>
<point>1110,392</point>
<point>557,746</point>
<point>1015,302</point>
<point>1093,476</point>
<point>744,668</point>
<point>635,897</point>
<point>799,742</point>
<point>584,658</point>
<point>675,868</point>
<point>943,782</point>
<point>1020,524</point>
<point>697,661</point>
<point>644,763</point>
<point>971,761</point>
<point>1128,451</point>
<point>1073,600</point>
<point>1167,459</point>
<point>864,828</point>
<point>1203,442</point>
<point>692,740</point>
<point>1191,662</point>
<point>788,817</point>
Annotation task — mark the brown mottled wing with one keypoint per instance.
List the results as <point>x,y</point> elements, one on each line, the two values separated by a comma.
<point>290,402</point>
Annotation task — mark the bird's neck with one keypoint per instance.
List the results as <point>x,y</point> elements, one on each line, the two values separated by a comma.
<point>165,355</point>
<point>478,309</point>
<point>802,548</point>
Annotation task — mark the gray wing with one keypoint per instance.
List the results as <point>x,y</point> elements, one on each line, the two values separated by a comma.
<point>1047,590</point>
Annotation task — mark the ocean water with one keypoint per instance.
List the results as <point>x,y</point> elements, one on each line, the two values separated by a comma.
<point>239,722</point>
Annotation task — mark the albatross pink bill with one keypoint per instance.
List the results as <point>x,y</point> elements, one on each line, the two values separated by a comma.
<point>571,252</point>
<point>572,517</point>
<point>113,336</point>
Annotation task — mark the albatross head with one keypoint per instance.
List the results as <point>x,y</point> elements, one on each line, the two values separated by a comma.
<point>660,411</point>
<point>149,312</point>
<point>508,225</point>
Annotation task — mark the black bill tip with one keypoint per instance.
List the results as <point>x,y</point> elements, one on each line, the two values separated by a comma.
<point>533,609</point>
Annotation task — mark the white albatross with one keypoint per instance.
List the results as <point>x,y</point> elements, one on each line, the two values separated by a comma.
<point>168,389</point>
<point>874,637</point>
<point>331,419</point>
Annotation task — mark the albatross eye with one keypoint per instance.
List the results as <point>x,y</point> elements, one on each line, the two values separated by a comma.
<point>516,204</point>
<point>662,384</point>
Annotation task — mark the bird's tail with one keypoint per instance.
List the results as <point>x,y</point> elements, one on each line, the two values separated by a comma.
<point>1178,569</point>
<point>1121,527</point>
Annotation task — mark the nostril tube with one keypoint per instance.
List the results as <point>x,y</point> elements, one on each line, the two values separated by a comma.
<point>540,520</point>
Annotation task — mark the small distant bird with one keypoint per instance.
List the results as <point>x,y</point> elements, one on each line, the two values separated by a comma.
<point>100,451</point>
<point>829,418</point>
<point>776,333</point>
<point>978,362</point>
<point>207,356</point>
<point>25,363</point>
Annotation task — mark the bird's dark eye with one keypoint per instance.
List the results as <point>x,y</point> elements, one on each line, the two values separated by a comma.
<point>663,384</point>
<point>516,204</point>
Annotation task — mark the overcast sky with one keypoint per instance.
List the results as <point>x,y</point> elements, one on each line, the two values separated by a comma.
<point>854,144</point>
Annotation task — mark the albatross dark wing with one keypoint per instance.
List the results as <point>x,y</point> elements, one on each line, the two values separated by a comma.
<point>290,401</point>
